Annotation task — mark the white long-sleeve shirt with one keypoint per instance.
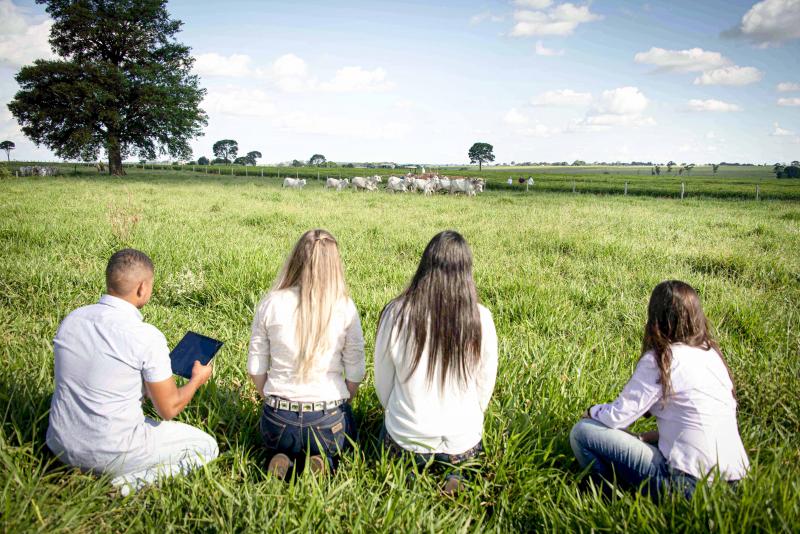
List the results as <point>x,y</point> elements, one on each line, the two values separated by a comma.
<point>420,415</point>
<point>697,425</point>
<point>274,350</point>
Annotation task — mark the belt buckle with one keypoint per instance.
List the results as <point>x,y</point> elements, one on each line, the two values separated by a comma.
<point>271,402</point>
<point>283,404</point>
<point>307,407</point>
<point>319,406</point>
<point>294,406</point>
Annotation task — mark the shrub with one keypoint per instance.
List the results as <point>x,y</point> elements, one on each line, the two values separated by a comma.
<point>4,172</point>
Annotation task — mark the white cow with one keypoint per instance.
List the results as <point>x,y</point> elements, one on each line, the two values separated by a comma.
<point>462,185</point>
<point>333,183</point>
<point>367,184</point>
<point>443,185</point>
<point>294,183</point>
<point>395,184</point>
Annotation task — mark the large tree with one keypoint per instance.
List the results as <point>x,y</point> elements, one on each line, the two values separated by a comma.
<point>8,146</point>
<point>481,152</point>
<point>252,156</point>
<point>317,160</point>
<point>226,149</point>
<point>123,84</point>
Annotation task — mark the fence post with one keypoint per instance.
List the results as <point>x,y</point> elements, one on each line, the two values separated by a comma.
<point>683,189</point>
<point>318,176</point>
<point>262,173</point>
<point>573,186</point>
<point>626,188</point>
<point>231,170</point>
<point>245,171</point>
<point>758,191</point>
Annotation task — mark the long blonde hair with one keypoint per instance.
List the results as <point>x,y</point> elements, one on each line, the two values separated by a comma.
<point>314,267</point>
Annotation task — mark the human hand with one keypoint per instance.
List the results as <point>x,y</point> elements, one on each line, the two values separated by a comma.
<point>201,373</point>
<point>352,388</point>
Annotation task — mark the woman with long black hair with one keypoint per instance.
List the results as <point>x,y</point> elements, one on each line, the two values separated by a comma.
<point>683,381</point>
<point>436,360</point>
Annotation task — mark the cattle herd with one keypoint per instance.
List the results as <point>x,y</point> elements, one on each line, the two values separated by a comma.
<point>38,170</point>
<point>426,184</point>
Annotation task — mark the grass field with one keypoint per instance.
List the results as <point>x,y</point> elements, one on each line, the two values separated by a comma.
<point>567,278</point>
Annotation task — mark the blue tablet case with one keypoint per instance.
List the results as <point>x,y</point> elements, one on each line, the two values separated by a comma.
<point>193,347</point>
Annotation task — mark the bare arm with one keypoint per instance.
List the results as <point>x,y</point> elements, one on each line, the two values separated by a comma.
<point>352,388</point>
<point>169,399</point>
<point>259,381</point>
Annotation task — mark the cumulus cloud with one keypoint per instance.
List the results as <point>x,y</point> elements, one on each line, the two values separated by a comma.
<point>290,73</point>
<point>691,60</point>
<point>533,4</point>
<point>733,75</point>
<point>542,50</point>
<point>213,64</point>
<point>357,79</point>
<point>789,102</point>
<point>239,101</point>
<point>770,22</point>
<point>623,106</point>
<point>786,87</point>
<point>561,19</point>
<point>22,40</point>
<point>781,132</point>
<point>712,105</point>
<point>561,98</point>
<point>514,117</point>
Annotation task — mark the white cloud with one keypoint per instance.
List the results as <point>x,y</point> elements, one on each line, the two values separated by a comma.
<point>786,87</point>
<point>733,75</point>
<point>357,79</point>
<point>22,40</point>
<point>239,101</point>
<point>514,117</point>
<point>561,98</point>
<point>772,22</point>
<point>623,106</point>
<point>781,132</point>
<point>712,105</point>
<point>537,130</point>
<point>691,60</point>
<point>213,64</point>
<point>542,50</point>
<point>485,16</point>
<point>534,4</point>
<point>561,19</point>
<point>789,102</point>
<point>290,73</point>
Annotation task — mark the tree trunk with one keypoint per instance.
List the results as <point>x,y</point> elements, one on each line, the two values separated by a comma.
<point>480,165</point>
<point>114,157</point>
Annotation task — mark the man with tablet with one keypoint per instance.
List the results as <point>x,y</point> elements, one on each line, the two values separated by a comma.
<point>106,358</point>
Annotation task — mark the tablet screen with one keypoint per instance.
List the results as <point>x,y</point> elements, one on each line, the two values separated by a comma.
<point>192,347</point>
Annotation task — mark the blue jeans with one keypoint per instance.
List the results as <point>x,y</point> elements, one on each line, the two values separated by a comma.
<point>616,456</point>
<point>423,459</point>
<point>326,432</point>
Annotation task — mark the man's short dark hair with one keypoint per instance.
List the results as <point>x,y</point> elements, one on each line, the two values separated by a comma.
<point>122,265</point>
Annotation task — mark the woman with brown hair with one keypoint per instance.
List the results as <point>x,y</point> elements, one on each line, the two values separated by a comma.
<point>683,381</point>
<point>306,358</point>
<point>436,360</point>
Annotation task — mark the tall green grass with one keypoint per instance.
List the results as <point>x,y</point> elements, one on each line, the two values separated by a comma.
<point>567,278</point>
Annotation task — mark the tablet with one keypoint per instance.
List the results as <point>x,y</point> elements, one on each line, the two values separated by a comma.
<point>192,347</point>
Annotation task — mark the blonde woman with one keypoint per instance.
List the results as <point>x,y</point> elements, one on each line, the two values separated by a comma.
<point>306,358</point>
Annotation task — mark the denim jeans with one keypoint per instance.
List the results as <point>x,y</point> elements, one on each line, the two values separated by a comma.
<point>616,456</point>
<point>423,460</point>
<point>325,432</point>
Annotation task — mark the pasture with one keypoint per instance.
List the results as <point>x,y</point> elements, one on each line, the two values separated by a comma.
<point>567,278</point>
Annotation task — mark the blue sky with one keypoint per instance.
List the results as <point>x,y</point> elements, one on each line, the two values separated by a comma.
<point>541,80</point>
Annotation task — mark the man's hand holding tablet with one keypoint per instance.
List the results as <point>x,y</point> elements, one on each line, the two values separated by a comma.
<point>192,351</point>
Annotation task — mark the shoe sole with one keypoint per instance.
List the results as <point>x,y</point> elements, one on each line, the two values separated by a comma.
<point>316,465</point>
<point>279,466</point>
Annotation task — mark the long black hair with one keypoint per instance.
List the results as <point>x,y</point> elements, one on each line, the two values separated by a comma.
<point>439,309</point>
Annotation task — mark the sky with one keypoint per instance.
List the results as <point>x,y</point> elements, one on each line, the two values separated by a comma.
<point>420,81</point>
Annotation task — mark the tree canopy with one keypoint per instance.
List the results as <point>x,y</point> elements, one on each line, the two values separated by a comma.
<point>317,160</point>
<point>481,152</point>
<point>123,84</point>
<point>8,146</point>
<point>226,149</point>
<point>202,160</point>
<point>252,156</point>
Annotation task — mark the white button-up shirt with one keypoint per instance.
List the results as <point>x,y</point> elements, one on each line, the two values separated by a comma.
<point>103,352</point>
<point>274,350</point>
<point>697,424</point>
<point>420,415</point>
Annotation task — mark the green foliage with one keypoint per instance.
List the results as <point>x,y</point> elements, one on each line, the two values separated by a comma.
<point>4,172</point>
<point>792,171</point>
<point>252,156</point>
<point>480,153</point>
<point>567,278</point>
<point>124,84</point>
<point>317,160</point>
<point>202,160</point>
<point>7,146</point>
<point>297,163</point>
<point>225,150</point>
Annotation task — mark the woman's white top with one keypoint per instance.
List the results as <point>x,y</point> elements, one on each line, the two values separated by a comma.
<point>422,416</point>
<point>274,350</point>
<point>697,425</point>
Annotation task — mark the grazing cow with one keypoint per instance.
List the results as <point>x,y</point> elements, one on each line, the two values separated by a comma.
<point>367,184</point>
<point>444,184</point>
<point>294,183</point>
<point>462,185</point>
<point>395,184</point>
<point>333,183</point>
<point>479,184</point>
<point>101,167</point>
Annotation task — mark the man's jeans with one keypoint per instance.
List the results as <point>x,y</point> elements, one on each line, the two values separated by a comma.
<point>325,432</point>
<point>177,449</point>
<point>615,455</point>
